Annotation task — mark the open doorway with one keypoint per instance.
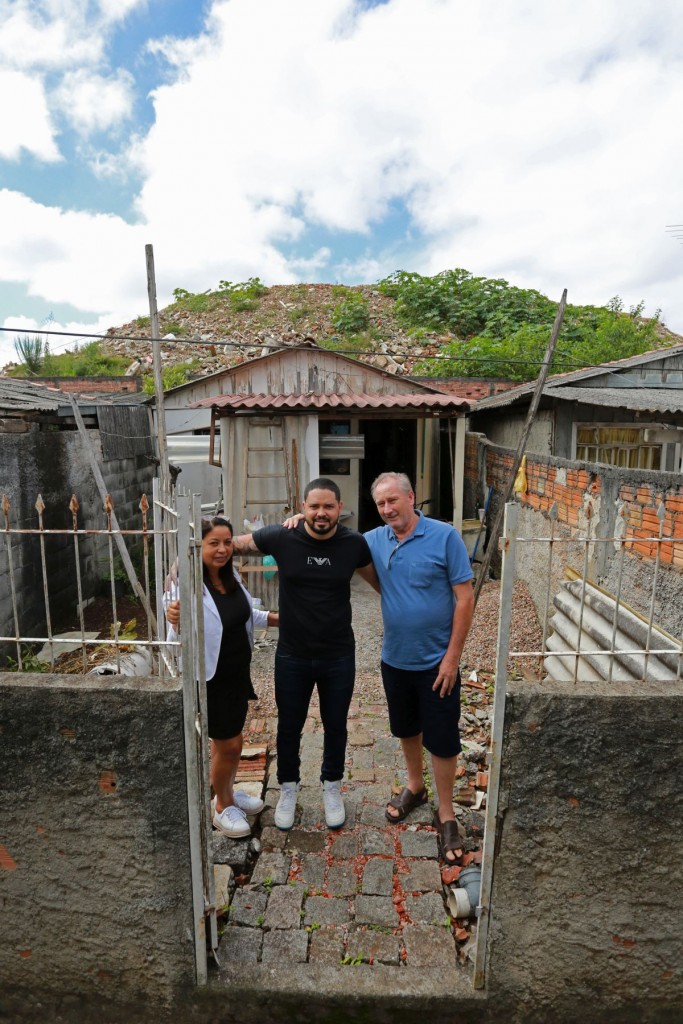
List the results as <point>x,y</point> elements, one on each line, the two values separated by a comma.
<point>390,446</point>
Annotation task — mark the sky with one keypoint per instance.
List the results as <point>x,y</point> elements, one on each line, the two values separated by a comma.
<point>337,141</point>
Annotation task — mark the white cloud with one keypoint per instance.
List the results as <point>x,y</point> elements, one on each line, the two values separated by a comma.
<point>533,141</point>
<point>48,36</point>
<point>24,118</point>
<point>93,102</point>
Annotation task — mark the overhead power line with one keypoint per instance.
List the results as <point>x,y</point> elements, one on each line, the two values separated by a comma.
<point>274,347</point>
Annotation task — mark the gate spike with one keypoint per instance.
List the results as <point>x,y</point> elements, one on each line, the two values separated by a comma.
<point>39,505</point>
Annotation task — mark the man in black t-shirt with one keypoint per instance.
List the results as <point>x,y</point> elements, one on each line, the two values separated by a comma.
<point>316,646</point>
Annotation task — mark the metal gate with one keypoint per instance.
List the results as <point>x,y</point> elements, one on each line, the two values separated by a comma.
<point>178,561</point>
<point>589,635</point>
<point>176,536</point>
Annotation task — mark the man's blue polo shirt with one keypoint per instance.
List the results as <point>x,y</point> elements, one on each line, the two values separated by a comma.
<point>417,576</point>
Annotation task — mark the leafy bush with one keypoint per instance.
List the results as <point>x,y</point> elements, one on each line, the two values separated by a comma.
<point>171,377</point>
<point>241,297</point>
<point>351,315</point>
<point>503,331</point>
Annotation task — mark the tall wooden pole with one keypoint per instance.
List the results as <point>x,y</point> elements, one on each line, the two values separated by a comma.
<point>164,474</point>
<point>533,408</point>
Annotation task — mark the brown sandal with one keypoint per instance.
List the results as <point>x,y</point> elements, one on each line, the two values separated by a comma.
<point>450,840</point>
<point>404,802</point>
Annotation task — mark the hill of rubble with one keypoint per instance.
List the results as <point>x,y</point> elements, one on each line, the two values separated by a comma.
<point>208,332</point>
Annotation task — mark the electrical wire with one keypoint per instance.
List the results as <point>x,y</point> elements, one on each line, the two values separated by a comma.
<point>274,347</point>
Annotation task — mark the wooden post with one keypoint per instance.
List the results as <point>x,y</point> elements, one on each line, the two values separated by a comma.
<point>531,415</point>
<point>164,474</point>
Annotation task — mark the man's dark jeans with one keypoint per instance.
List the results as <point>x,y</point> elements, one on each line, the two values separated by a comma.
<point>294,682</point>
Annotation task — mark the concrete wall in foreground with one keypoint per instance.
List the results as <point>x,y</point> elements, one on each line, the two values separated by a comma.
<point>96,922</point>
<point>94,848</point>
<point>588,882</point>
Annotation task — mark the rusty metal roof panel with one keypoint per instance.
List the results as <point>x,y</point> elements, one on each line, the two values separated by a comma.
<point>421,401</point>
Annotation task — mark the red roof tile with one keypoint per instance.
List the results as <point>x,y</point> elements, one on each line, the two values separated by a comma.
<point>345,401</point>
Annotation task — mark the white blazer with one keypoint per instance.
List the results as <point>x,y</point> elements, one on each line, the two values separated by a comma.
<point>213,627</point>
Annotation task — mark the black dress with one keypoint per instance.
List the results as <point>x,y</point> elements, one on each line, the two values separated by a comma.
<point>230,688</point>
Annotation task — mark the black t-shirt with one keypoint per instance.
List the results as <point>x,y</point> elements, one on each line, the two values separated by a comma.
<point>315,591</point>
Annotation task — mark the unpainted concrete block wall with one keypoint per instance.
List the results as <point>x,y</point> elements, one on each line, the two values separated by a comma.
<point>54,464</point>
<point>588,882</point>
<point>94,847</point>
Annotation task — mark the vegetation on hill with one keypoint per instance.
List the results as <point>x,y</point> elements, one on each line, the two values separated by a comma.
<point>502,331</point>
<point>450,324</point>
<point>90,360</point>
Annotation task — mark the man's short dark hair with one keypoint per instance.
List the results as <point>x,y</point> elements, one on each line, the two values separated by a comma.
<point>322,483</point>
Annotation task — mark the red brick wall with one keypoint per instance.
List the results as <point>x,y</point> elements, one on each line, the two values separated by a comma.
<point>638,503</point>
<point>640,509</point>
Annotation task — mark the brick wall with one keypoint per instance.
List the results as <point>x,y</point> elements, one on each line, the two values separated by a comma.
<point>570,489</point>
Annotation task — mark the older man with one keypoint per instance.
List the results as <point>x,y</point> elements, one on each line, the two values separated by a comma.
<point>427,606</point>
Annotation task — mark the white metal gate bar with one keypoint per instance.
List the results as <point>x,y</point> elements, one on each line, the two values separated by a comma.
<point>492,819</point>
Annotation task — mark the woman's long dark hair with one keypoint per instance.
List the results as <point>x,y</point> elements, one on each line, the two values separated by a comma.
<point>225,573</point>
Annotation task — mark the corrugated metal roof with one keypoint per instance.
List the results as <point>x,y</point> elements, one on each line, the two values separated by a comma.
<point>641,399</point>
<point>560,380</point>
<point>423,401</point>
<point>23,395</point>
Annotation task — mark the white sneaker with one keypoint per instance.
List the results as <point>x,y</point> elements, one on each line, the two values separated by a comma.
<point>335,812</point>
<point>246,803</point>
<point>232,822</point>
<point>286,805</point>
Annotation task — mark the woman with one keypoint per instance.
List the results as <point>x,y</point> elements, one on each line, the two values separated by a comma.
<point>229,622</point>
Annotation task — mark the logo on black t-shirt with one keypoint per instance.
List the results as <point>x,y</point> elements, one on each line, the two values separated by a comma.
<point>312,560</point>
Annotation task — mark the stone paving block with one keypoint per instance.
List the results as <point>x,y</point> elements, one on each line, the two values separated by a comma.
<point>378,946</point>
<point>422,815</point>
<point>362,757</point>
<point>323,910</point>
<point>299,841</point>
<point>284,907</point>
<point>419,844</point>
<point>361,774</point>
<point>273,838</point>
<point>372,814</point>
<point>248,907</point>
<point>345,846</point>
<point>386,749</point>
<point>428,946</point>
<point>360,736</point>
<point>285,947</point>
<point>274,866</point>
<point>312,814</point>
<point>341,879</point>
<point>224,884</point>
<point>326,946</point>
<point>427,909</point>
<point>312,873</point>
<point>378,876</point>
<point>375,910</point>
<point>423,876</point>
<point>240,945</point>
<point>238,853</point>
<point>373,841</point>
<point>352,802</point>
